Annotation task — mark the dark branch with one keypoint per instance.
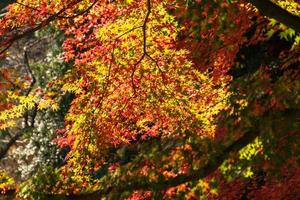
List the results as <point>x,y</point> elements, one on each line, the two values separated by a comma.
<point>29,72</point>
<point>270,9</point>
<point>32,82</point>
<point>11,142</point>
<point>144,29</point>
<point>11,82</point>
<point>145,52</point>
<point>142,183</point>
<point>218,156</point>
<point>36,28</point>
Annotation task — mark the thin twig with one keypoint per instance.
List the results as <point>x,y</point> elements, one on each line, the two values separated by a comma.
<point>62,17</point>
<point>29,71</point>
<point>144,28</point>
<point>125,33</point>
<point>15,86</point>
<point>81,13</point>
<point>37,27</point>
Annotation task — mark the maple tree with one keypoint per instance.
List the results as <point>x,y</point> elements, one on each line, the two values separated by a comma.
<point>172,99</point>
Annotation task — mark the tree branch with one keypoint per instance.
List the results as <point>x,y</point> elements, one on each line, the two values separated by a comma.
<point>14,138</point>
<point>144,29</point>
<point>61,17</point>
<point>11,142</point>
<point>215,161</point>
<point>32,30</point>
<point>142,183</point>
<point>145,52</point>
<point>272,10</point>
<point>29,72</point>
<point>32,82</point>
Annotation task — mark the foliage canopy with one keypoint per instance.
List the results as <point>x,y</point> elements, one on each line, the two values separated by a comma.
<point>168,99</point>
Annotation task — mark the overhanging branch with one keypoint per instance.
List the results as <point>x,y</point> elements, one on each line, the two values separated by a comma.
<point>142,183</point>
<point>215,161</point>
<point>270,9</point>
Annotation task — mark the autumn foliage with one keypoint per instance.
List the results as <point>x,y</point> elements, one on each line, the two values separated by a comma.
<point>171,99</point>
